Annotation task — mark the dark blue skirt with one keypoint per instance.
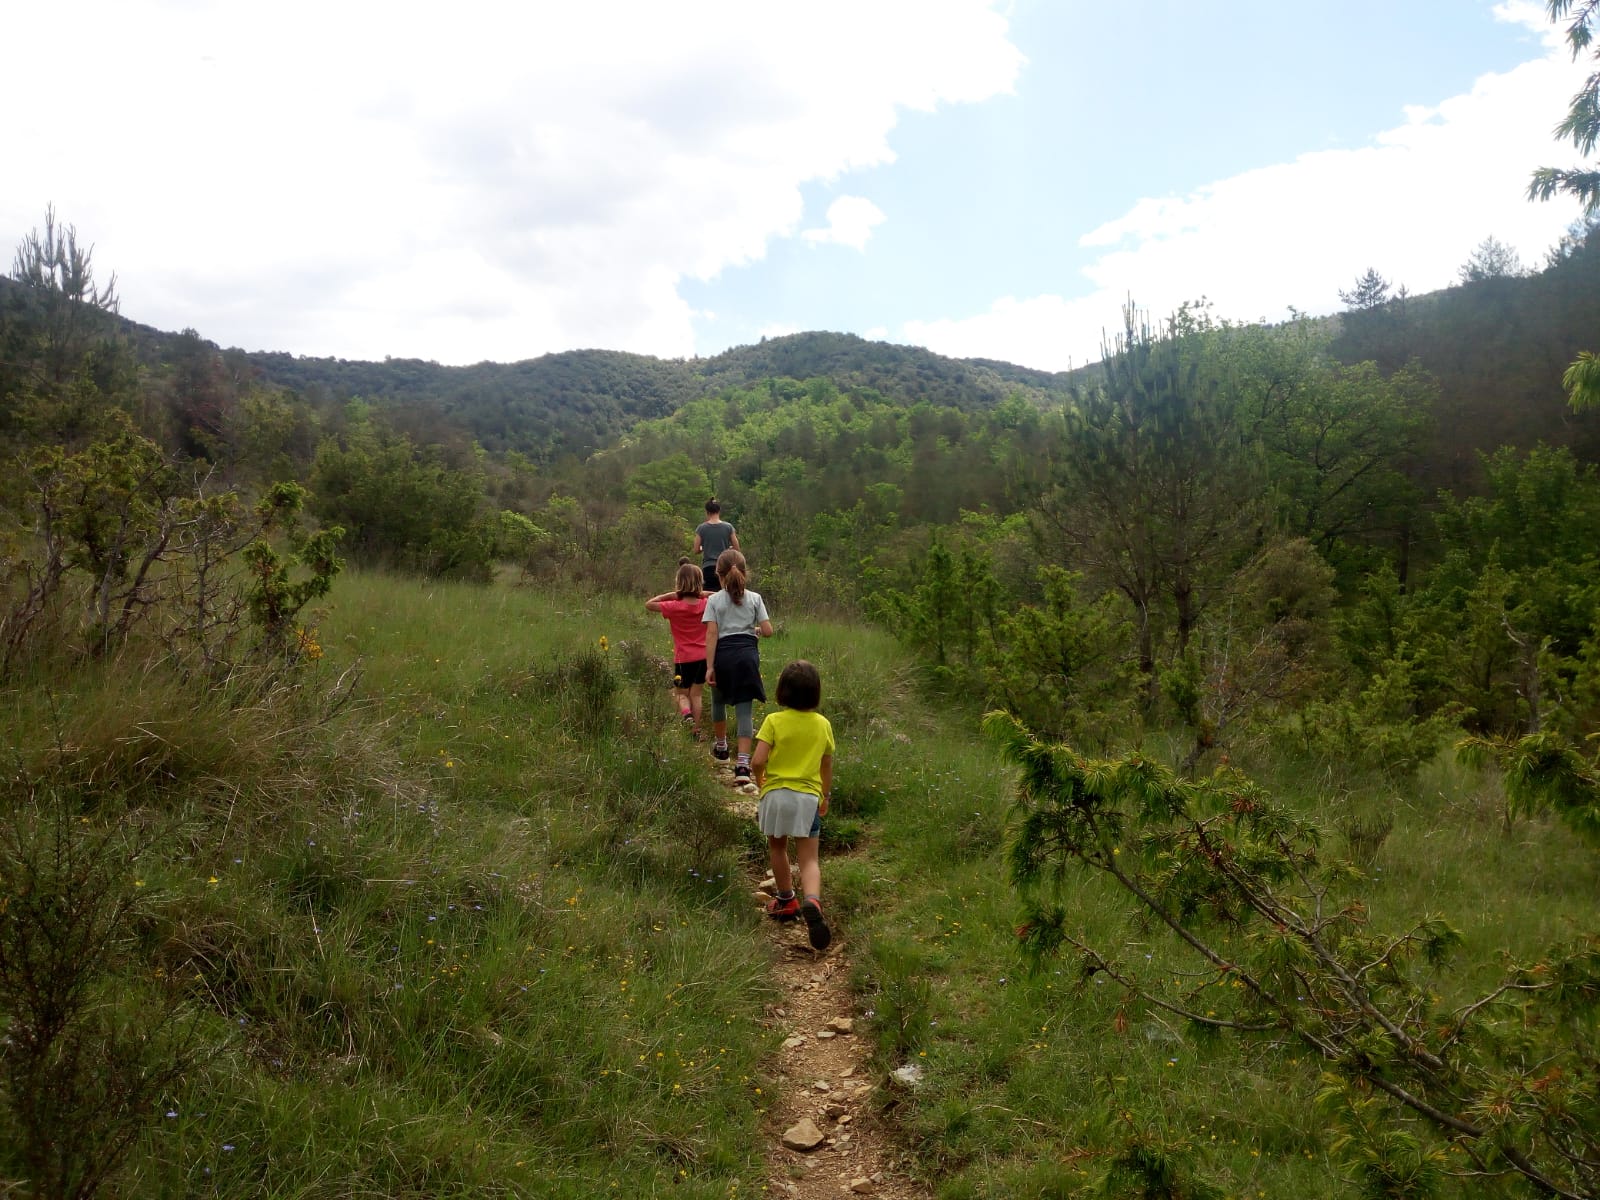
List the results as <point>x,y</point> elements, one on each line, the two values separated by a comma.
<point>738,666</point>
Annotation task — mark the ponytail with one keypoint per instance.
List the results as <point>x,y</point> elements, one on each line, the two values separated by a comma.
<point>732,571</point>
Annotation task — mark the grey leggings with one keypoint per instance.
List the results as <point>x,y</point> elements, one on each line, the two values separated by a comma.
<point>745,725</point>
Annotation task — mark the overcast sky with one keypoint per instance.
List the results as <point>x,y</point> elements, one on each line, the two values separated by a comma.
<point>496,181</point>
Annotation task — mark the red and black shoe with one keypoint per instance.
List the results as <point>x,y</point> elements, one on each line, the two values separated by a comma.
<point>816,925</point>
<point>784,908</point>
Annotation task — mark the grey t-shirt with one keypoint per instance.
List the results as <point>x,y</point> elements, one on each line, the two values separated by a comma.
<point>734,618</point>
<point>715,537</point>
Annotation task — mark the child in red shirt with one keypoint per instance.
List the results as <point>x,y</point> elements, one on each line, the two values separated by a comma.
<point>683,608</point>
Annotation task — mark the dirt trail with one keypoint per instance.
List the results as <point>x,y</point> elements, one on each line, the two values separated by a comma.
<point>826,1089</point>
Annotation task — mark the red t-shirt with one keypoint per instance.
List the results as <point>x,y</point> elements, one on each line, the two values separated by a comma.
<point>688,633</point>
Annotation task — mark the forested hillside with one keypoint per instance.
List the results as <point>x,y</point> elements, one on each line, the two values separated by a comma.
<point>1497,347</point>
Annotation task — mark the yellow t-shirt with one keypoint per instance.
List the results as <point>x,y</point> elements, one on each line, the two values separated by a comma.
<point>799,740</point>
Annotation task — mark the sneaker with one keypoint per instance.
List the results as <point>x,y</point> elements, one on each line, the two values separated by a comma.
<point>816,926</point>
<point>740,774</point>
<point>719,751</point>
<point>784,909</point>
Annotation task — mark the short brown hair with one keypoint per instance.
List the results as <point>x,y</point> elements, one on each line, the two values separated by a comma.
<point>689,583</point>
<point>800,686</point>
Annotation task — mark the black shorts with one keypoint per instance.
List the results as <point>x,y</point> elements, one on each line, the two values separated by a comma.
<point>688,674</point>
<point>712,583</point>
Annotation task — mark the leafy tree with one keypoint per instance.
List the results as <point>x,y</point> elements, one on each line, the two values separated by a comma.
<point>202,397</point>
<point>105,516</point>
<point>122,538</point>
<point>1278,944</point>
<point>1264,646</point>
<point>1581,126</point>
<point>1542,771</point>
<point>1063,666</point>
<point>1575,241</point>
<point>931,616</point>
<point>1371,291</point>
<point>1338,440</point>
<point>1516,586</point>
<point>673,481</point>
<point>59,309</point>
<point>284,583</point>
<point>1491,259</point>
<point>1377,730</point>
<point>1157,491</point>
<point>401,503</point>
<point>271,435</point>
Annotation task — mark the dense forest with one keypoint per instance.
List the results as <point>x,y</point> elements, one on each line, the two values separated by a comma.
<point>1354,545</point>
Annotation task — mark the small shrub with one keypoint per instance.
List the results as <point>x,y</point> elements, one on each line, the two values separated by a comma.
<point>1364,835</point>
<point>904,1000</point>
<point>86,1055</point>
<point>584,687</point>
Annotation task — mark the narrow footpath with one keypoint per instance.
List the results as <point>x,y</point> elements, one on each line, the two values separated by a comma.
<point>825,1136</point>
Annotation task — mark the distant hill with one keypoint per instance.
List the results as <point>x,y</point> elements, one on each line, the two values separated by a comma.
<point>1497,348</point>
<point>579,400</point>
<point>546,407</point>
<point>897,372</point>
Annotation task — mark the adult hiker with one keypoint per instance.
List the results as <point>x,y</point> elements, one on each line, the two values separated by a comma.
<point>713,536</point>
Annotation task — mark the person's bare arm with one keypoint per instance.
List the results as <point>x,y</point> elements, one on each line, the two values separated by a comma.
<point>827,785</point>
<point>733,540</point>
<point>758,761</point>
<point>711,653</point>
<point>655,602</point>
<point>764,629</point>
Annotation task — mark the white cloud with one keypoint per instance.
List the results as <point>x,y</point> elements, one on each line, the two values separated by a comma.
<point>1528,13</point>
<point>851,220</point>
<point>478,181</point>
<point>1413,205</point>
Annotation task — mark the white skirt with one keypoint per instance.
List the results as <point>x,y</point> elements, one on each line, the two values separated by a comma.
<point>785,812</point>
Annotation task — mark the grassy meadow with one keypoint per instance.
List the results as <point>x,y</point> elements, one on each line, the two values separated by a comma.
<point>456,910</point>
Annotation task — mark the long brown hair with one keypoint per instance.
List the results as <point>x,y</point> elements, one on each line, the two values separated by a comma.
<point>690,583</point>
<point>733,571</point>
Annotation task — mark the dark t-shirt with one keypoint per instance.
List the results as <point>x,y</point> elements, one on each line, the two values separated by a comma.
<point>715,537</point>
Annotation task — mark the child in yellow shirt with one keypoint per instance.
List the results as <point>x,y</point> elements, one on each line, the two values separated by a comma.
<point>793,767</point>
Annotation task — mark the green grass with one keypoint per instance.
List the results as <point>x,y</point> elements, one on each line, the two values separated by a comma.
<point>485,928</point>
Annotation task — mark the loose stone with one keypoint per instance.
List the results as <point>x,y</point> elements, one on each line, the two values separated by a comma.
<point>803,1135</point>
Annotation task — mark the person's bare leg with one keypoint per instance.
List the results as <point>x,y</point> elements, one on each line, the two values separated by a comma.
<point>806,849</point>
<point>778,856</point>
